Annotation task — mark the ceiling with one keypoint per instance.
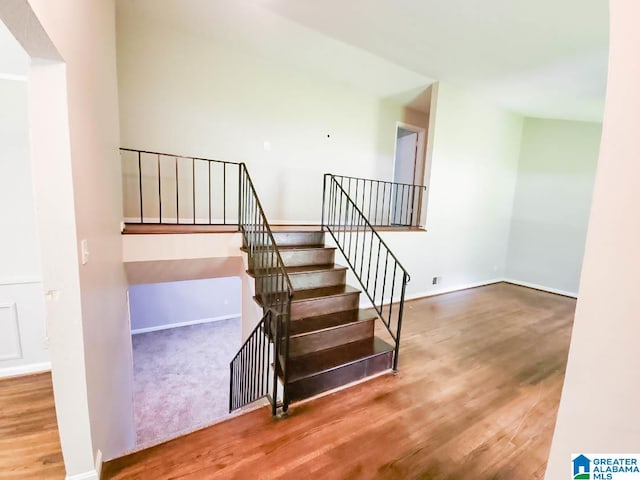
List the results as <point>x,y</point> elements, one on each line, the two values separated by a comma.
<point>546,58</point>
<point>540,58</point>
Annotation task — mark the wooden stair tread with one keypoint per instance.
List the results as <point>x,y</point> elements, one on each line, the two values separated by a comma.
<point>313,293</point>
<point>295,247</point>
<point>305,247</point>
<point>317,293</point>
<point>332,358</point>
<point>308,325</point>
<point>307,269</point>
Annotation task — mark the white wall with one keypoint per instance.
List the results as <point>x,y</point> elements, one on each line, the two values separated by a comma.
<point>187,94</point>
<point>23,342</point>
<point>473,176</point>
<point>153,257</point>
<point>155,306</point>
<point>74,141</point>
<point>552,201</point>
<point>599,406</point>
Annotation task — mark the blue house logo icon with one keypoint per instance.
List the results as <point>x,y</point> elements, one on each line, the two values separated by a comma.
<point>581,468</point>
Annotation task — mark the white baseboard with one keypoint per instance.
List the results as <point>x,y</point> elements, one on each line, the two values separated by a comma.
<point>451,289</point>
<point>25,369</point>
<point>99,463</point>
<point>541,287</point>
<point>364,301</point>
<point>183,324</point>
<point>90,475</point>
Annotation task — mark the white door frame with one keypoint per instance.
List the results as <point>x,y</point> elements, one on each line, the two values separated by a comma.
<point>420,152</point>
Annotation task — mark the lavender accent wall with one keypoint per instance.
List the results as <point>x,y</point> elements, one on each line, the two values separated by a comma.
<point>158,305</point>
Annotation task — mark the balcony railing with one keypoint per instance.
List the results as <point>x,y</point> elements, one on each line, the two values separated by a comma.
<point>164,188</point>
<point>385,204</point>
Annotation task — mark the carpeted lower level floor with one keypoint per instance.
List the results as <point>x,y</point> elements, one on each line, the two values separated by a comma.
<point>181,378</point>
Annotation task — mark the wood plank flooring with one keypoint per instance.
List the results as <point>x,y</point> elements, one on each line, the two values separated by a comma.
<point>481,373</point>
<point>29,441</point>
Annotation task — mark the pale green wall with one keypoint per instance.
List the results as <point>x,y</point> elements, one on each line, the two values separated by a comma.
<point>552,201</point>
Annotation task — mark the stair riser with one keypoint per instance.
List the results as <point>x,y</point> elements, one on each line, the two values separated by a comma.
<point>292,239</point>
<point>300,258</point>
<point>310,386</point>
<point>329,278</point>
<point>334,337</point>
<point>323,306</point>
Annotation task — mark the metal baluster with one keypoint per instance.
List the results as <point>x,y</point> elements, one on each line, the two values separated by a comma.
<point>393,284</point>
<point>177,194</point>
<point>159,192</point>
<point>193,187</point>
<point>140,187</point>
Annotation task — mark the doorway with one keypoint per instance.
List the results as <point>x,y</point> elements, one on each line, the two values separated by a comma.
<point>408,163</point>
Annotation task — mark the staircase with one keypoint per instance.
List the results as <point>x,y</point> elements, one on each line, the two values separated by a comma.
<point>331,340</point>
<point>312,336</point>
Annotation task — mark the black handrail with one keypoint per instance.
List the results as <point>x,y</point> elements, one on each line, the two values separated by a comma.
<point>250,375</point>
<point>386,204</point>
<point>376,267</point>
<point>157,182</point>
<point>274,290</point>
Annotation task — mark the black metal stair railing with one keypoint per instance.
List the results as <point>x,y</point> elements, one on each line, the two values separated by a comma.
<point>251,377</point>
<point>380,273</point>
<point>385,204</point>
<point>267,348</point>
<point>168,189</point>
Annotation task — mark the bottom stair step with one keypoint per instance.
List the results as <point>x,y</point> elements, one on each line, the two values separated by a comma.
<point>334,367</point>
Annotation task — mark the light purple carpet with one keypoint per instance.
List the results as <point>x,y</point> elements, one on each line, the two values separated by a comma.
<point>182,378</point>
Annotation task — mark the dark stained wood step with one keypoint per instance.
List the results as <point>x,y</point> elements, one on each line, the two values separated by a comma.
<point>319,293</point>
<point>332,320</point>
<point>297,256</point>
<point>321,371</point>
<point>314,276</point>
<point>305,256</point>
<point>322,301</point>
<point>287,238</point>
<point>328,331</point>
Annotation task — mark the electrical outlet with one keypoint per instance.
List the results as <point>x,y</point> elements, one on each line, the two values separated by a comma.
<point>435,281</point>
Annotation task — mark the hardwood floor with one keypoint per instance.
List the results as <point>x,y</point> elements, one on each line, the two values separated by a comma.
<point>29,441</point>
<point>481,373</point>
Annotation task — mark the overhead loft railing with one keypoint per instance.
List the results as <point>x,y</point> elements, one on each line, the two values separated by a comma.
<point>380,273</point>
<point>168,189</point>
<point>265,354</point>
<point>385,204</point>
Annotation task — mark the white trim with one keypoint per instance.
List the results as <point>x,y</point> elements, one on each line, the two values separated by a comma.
<point>13,313</point>
<point>364,303</point>
<point>440,291</point>
<point>420,141</point>
<point>183,324</point>
<point>99,463</point>
<point>25,369</point>
<point>541,287</point>
<point>90,475</point>
<point>20,280</point>
<point>13,77</point>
